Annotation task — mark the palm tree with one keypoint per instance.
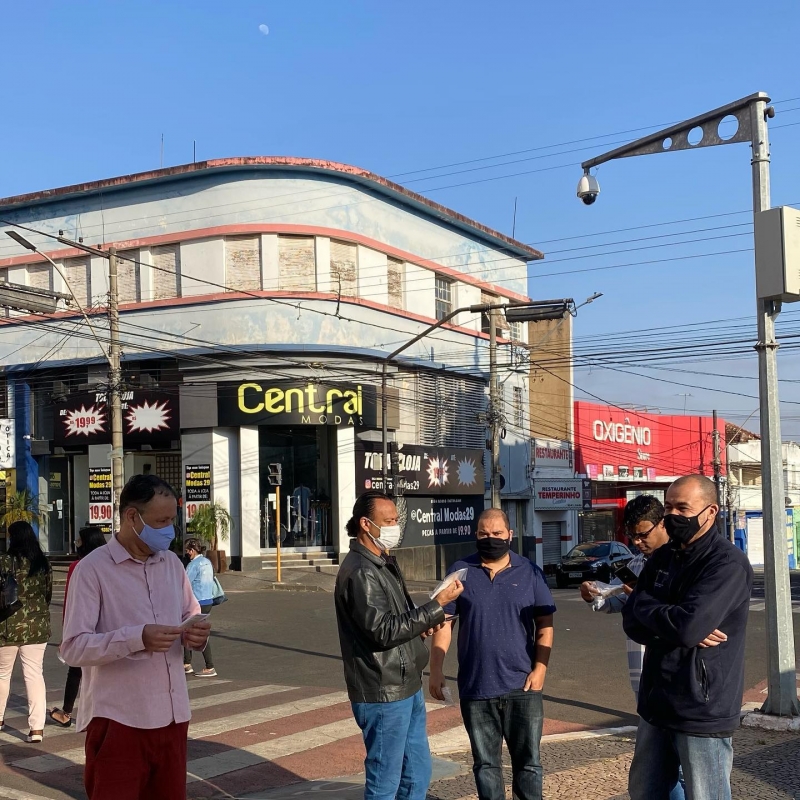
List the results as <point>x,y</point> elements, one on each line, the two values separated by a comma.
<point>212,523</point>
<point>21,506</point>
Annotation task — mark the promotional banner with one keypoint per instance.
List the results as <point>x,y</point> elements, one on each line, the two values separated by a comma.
<point>552,453</point>
<point>264,402</point>
<point>197,488</point>
<point>101,509</point>
<point>438,520</point>
<point>8,449</point>
<point>420,470</point>
<point>148,417</point>
<point>562,495</point>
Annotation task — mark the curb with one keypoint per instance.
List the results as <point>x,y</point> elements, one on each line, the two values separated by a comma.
<point>769,722</point>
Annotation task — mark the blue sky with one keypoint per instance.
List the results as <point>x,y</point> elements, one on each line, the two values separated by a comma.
<point>403,87</point>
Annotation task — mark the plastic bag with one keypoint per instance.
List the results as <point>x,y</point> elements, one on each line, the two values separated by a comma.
<point>605,590</point>
<point>458,575</point>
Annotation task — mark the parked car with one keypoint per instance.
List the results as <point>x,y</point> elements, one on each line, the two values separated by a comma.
<point>591,561</point>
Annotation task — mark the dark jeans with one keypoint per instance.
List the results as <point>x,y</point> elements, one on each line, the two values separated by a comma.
<point>71,689</point>
<point>187,654</point>
<point>517,718</point>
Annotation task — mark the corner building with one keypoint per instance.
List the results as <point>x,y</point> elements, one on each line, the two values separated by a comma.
<point>258,299</point>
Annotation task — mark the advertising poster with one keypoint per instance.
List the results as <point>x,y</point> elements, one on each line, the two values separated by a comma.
<point>101,509</point>
<point>197,488</point>
<point>438,520</point>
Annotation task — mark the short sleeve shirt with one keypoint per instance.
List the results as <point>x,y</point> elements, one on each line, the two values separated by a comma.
<point>497,625</point>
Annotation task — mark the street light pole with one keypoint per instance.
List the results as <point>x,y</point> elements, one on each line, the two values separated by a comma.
<point>494,410</point>
<point>115,383</point>
<point>751,114</point>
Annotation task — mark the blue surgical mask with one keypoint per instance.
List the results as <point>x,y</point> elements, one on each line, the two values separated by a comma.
<point>157,539</point>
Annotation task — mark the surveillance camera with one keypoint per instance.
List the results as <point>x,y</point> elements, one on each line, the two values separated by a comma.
<point>588,189</point>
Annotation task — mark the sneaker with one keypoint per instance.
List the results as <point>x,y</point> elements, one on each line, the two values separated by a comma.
<point>34,737</point>
<point>187,668</point>
<point>210,672</point>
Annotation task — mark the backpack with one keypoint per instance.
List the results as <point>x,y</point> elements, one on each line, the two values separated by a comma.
<point>217,594</point>
<point>9,593</point>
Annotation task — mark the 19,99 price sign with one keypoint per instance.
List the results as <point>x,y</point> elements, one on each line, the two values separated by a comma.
<point>101,509</point>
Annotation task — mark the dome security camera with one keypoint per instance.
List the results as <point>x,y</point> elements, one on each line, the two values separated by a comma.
<point>588,189</point>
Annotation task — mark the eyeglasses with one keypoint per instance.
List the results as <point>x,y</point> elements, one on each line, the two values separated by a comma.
<point>643,536</point>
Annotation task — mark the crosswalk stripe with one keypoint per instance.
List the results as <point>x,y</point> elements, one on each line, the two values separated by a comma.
<point>241,694</point>
<point>13,794</point>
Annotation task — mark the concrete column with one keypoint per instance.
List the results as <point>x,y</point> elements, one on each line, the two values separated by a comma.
<point>145,274</point>
<point>249,491</point>
<point>373,283</point>
<point>421,290</point>
<point>322,256</point>
<point>202,261</point>
<point>344,489</point>
<point>225,483</point>
<point>270,263</point>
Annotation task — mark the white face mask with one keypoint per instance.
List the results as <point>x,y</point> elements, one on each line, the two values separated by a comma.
<point>389,538</point>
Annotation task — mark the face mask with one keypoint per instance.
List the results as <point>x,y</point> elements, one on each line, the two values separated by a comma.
<point>389,538</point>
<point>683,529</point>
<point>493,549</point>
<point>157,539</point>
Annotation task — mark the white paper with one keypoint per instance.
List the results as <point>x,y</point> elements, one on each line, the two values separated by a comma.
<point>458,575</point>
<point>191,621</point>
<point>448,696</point>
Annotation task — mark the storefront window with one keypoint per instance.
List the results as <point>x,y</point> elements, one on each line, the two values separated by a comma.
<point>597,526</point>
<point>303,452</point>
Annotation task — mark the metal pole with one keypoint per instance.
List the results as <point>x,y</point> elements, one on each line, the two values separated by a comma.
<point>716,463</point>
<point>729,498</point>
<point>494,409</point>
<point>384,429</point>
<point>781,680</point>
<point>115,383</point>
<point>278,533</point>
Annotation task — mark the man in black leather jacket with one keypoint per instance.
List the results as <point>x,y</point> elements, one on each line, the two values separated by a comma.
<point>381,634</point>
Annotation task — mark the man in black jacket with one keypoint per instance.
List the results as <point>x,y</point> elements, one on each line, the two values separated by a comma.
<point>690,609</point>
<point>381,635</point>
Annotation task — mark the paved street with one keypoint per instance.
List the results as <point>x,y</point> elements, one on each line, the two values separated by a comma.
<point>277,714</point>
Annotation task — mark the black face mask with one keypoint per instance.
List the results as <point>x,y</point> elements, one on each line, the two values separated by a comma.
<point>683,529</point>
<point>493,549</point>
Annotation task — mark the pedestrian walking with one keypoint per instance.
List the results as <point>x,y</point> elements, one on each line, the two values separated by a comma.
<point>689,609</point>
<point>643,519</point>
<point>26,631</point>
<point>381,634</point>
<point>130,610</point>
<point>88,539</point>
<point>505,636</point>
<point>201,576</point>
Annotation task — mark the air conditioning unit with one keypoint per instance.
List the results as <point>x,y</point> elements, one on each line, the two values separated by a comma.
<point>777,237</point>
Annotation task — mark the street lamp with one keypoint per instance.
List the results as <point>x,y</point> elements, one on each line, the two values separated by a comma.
<point>515,312</point>
<point>112,355</point>
<point>751,115</point>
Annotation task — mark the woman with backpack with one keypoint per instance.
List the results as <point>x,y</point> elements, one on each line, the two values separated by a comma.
<point>26,630</point>
<point>201,575</point>
<point>91,537</point>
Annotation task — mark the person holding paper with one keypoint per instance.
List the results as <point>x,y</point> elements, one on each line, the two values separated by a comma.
<point>505,635</point>
<point>123,627</point>
<point>381,634</point>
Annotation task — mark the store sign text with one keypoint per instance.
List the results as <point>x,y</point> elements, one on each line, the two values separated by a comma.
<point>253,399</point>
<point>621,433</point>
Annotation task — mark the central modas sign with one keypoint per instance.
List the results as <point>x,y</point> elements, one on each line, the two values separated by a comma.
<point>148,417</point>
<point>267,403</point>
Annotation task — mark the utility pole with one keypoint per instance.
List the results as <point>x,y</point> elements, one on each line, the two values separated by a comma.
<point>115,383</point>
<point>494,409</point>
<point>717,464</point>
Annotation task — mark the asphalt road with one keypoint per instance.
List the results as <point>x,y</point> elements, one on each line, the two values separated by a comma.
<point>291,638</point>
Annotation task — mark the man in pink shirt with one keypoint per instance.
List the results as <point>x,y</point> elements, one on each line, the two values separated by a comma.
<point>124,626</point>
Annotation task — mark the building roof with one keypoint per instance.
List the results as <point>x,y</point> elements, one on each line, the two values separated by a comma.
<point>367,179</point>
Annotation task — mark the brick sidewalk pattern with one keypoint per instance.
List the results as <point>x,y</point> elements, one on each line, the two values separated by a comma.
<point>766,767</point>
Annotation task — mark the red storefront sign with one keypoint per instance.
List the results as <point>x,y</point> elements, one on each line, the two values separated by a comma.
<point>613,444</point>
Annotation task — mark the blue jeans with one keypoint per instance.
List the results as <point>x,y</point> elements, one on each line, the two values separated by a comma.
<point>516,717</point>
<point>398,762</point>
<point>707,765</point>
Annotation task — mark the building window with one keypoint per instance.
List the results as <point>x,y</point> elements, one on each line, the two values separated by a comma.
<point>444,297</point>
<point>344,268</point>
<point>396,279</point>
<point>40,277</point>
<point>515,331</point>
<point>297,263</point>
<point>243,263</point>
<point>128,280</point>
<point>487,300</point>
<point>518,404</point>
<point>78,277</point>
<point>166,271</point>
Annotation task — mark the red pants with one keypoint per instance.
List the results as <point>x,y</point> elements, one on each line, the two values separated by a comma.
<point>124,763</point>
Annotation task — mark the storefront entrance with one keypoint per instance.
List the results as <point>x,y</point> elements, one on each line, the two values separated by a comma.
<point>303,451</point>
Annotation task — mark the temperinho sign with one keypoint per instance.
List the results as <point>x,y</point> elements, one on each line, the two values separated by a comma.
<point>8,448</point>
<point>552,453</point>
<point>101,509</point>
<point>266,403</point>
<point>197,488</point>
<point>566,495</point>
<point>420,470</point>
<point>438,520</point>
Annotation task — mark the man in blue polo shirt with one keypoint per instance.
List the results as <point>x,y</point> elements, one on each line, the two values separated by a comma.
<point>505,635</point>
